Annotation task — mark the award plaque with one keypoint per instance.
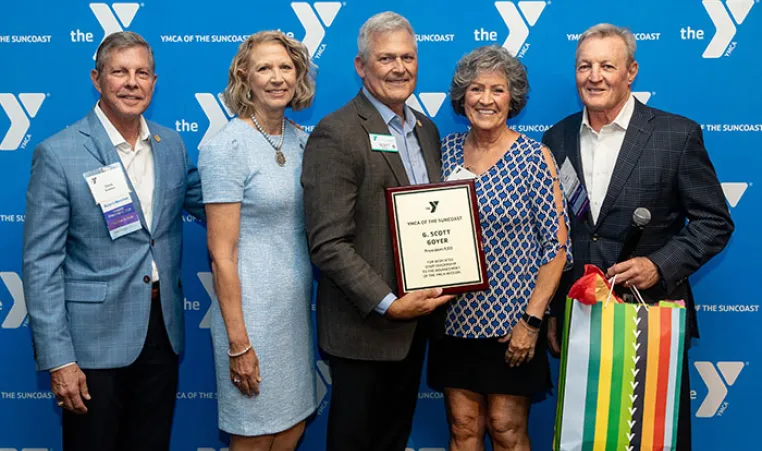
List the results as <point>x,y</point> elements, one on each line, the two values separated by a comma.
<point>436,236</point>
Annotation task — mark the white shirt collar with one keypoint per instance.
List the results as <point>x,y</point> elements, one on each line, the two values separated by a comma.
<point>622,120</point>
<point>113,134</point>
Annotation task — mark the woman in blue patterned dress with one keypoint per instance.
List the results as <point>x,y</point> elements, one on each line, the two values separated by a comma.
<point>261,321</point>
<point>490,362</point>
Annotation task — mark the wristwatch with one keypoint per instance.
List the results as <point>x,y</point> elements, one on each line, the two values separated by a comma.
<point>532,321</point>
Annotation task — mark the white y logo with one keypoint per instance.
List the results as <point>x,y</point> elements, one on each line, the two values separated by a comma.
<point>431,100</point>
<point>643,96</point>
<point>19,120</point>
<point>726,29</point>
<point>518,32</point>
<point>108,20</point>
<point>718,389</point>
<point>207,281</point>
<point>216,111</point>
<point>314,31</point>
<point>17,314</point>
<point>323,380</point>
<point>734,191</point>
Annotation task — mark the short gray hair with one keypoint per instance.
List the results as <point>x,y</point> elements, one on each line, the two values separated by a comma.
<point>491,58</point>
<point>384,22</point>
<point>605,30</point>
<point>119,41</point>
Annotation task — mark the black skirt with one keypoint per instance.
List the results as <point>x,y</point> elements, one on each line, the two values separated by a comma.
<point>478,365</point>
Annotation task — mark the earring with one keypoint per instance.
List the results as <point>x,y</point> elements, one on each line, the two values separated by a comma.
<point>248,95</point>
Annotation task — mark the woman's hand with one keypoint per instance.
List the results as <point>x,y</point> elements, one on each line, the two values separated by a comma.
<point>244,372</point>
<point>522,341</point>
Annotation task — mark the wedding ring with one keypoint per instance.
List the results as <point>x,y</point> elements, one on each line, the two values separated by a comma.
<point>236,380</point>
<point>60,403</point>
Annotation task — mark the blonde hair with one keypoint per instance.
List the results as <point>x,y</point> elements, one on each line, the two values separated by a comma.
<point>238,96</point>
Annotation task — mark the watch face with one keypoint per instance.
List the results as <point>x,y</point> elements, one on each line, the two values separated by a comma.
<point>532,320</point>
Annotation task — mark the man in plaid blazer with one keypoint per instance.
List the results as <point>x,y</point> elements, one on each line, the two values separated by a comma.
<point>105,308</point>
<point>627,155</point>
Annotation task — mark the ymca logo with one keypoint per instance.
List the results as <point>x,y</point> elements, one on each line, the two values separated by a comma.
<point>433,206</point>
<point>726,29</point>
<point>714,403</point>
<point>16,134</point>
<point>314,30</point>
<point>432,101</point>
<point>216,111</point>
<point>207,281</point>
<point>734,191</point>
<point>643,96</point>
<point>116,20</point>
<point>17,313</point>
<point>518,31</point>
<point>323,382</point>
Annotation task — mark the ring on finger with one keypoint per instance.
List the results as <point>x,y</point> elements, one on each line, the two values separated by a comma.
<point>236,380</point>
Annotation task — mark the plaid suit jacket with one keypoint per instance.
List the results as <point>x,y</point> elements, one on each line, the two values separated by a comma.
<point>88,296</point>
<point>663,166</point>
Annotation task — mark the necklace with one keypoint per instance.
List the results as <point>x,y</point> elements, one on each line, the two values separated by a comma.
<point>279,157</point>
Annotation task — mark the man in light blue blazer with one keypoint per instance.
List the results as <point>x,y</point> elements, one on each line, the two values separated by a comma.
<point>102,251</point>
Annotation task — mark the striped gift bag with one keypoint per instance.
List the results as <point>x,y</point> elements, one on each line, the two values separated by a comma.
<point>619,387</point>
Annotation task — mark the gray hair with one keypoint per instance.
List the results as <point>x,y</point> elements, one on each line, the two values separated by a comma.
<point>119,41</point>
<point>605,30</point>
<point>491,58</point>
<point>384,22</point>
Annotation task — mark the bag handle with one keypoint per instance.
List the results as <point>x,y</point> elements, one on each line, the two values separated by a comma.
<point>611,281</point>
<point>637,295</point>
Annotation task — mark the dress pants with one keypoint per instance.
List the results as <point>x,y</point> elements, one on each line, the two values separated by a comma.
<point>685,414</point>
<point>373,402</point>
<point>131,408</point>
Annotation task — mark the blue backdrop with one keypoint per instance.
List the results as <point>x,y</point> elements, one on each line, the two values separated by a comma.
<point>699,59</point>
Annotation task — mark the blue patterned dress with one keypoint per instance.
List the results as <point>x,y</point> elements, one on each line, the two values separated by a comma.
<point>520,222</point>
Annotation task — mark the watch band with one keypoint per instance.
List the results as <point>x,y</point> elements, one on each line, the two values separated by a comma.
<point>532,321</point>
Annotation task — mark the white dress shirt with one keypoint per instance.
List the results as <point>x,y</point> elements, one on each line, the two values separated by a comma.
<point>139,165</point>
<point>599,152</point>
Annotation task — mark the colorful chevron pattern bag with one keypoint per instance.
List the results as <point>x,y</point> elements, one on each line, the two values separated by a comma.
<point>621,367</point>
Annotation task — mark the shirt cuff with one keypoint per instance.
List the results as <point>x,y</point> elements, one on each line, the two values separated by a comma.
<point>385,303</point>
<point>62,366</point>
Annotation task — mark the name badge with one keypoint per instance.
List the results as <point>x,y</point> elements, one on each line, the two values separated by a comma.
<point>382,143</point>
<point>576,195</point>
<point>460,173</point>
<point>110,191</point>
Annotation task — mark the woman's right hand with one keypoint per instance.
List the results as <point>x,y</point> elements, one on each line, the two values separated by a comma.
<point>244,372</point>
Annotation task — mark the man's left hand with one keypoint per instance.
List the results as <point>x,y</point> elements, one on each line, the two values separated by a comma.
<point>639,272</point>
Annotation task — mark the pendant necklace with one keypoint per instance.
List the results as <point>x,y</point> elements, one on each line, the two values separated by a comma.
<point>279,157</point>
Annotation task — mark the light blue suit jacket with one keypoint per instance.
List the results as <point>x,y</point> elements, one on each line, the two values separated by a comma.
<point>88,296</point>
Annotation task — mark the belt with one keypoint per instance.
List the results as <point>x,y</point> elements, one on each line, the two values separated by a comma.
<point>155,291</point>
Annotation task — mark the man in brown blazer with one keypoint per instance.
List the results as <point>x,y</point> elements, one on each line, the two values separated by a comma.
<point>374,340</point>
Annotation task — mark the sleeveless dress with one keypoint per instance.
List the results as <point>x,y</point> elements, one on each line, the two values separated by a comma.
<point>520,223</point>
<point>238,165</point>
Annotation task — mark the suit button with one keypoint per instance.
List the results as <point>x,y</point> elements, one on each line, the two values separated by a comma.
<point>152,243</point>
<point>595,237</point>
<point>147,279</point>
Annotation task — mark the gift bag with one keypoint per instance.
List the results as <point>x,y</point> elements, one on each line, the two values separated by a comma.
<point>621,367</point>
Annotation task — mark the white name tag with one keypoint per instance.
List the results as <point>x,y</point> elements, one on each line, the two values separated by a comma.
<point>460,173</point>
<point>382,143</point>
<point>109,189</point>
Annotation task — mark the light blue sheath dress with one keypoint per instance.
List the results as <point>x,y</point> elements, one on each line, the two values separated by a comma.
<point>238,165</point>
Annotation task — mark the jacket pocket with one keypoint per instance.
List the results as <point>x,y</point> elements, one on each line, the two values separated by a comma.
<point>83,291</point>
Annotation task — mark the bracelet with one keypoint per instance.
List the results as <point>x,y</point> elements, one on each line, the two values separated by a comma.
<point>530,329</point>
<point>240,353</point>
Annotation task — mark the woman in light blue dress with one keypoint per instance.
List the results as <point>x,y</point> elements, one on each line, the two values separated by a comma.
<point>261,321</point>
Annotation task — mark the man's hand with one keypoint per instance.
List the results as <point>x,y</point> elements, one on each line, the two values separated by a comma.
<point>417,303</point>
<point>69,385</point>
<point>553,343</point>
<point>639,272</point>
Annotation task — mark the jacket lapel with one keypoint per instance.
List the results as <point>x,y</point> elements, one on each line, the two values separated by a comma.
<point>373,123</point>
<point>432,152</point>
<point>100,146</point>
<point>635,139</point>
<point>159,162</point>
